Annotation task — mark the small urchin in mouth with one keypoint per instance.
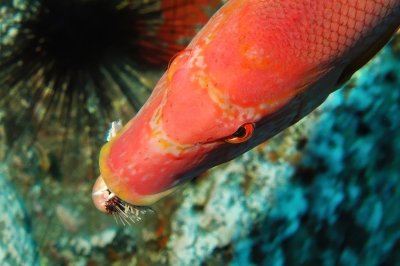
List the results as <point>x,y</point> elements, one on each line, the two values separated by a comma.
<point>106,201</point>
<point>124,211</point>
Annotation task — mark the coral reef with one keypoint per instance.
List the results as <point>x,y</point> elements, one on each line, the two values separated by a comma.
<point>16,243</point>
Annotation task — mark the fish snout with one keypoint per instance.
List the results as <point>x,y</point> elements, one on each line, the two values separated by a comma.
<point>100,195</point>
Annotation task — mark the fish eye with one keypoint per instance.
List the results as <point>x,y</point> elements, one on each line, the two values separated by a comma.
<point>243,133</point>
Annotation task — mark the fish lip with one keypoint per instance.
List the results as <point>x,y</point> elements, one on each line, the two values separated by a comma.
<point>101,194</point>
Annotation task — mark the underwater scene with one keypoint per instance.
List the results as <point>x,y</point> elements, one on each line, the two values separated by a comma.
<point>324,191</point>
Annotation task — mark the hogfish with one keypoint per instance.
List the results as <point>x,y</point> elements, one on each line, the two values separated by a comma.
<point>256,68</point>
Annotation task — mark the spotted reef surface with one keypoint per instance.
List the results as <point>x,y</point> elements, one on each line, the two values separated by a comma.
<point>16,243</point>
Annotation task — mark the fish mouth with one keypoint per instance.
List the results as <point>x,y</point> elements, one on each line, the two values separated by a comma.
<point>101,194</point>
<point>107,202</point>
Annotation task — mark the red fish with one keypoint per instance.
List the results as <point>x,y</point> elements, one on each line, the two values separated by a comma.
<point>257,67</point>
<point>161,38</point>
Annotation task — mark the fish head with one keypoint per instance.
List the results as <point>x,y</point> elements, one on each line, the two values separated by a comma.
<point>179,133</point>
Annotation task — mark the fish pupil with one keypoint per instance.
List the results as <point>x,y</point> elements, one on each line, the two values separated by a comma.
<point>240,133</point>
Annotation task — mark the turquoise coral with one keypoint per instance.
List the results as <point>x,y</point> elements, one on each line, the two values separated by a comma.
<point>16,244</point>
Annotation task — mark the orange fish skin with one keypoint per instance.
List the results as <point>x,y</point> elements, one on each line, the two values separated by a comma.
<point>267,62</point>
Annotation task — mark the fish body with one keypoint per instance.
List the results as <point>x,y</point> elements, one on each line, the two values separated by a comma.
<point>256,62</point>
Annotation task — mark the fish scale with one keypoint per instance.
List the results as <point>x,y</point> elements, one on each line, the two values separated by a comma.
<point>321,30</point>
